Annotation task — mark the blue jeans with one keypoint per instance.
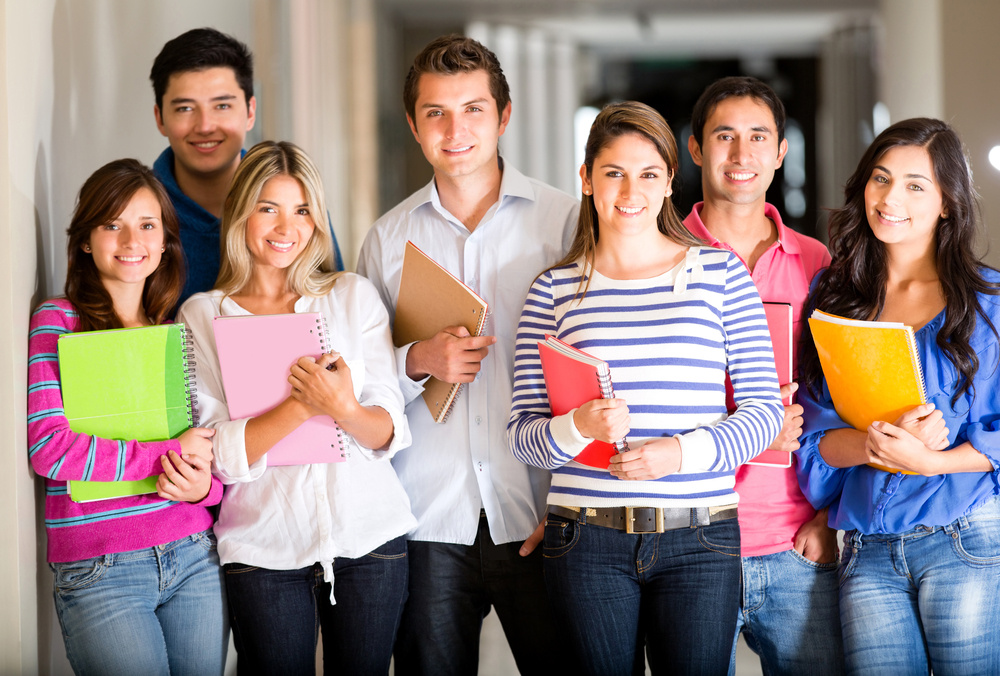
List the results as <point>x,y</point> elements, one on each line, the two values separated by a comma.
<point>790,616</point>
<point>452,588</point>
<point>277,614</point>
<point>928,598</point>
<point>676,593</point>
<point>151,611</point>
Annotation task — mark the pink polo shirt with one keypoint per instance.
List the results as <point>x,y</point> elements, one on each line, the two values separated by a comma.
<point>772,508</point>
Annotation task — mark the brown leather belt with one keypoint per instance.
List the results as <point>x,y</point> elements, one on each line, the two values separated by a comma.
<point>646,519</point>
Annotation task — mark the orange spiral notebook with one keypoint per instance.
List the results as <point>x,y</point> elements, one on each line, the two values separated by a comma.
<point>872,369</point>
<point>572,378</point>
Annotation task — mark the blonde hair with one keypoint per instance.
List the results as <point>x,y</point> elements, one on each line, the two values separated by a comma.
<point>614,121</point>
<point>314,271</point>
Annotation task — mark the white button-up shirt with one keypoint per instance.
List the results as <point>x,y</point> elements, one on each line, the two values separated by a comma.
<point>454,469</point>
<point>289,517</point>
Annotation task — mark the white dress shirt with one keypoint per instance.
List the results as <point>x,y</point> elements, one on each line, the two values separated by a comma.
<point>294,516</point>
<point>456,468</point>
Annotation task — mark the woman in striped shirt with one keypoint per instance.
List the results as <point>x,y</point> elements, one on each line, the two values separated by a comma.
<point>138,587</point>
<point>645,553</point>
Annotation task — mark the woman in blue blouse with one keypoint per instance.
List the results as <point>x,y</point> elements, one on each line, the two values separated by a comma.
<point>920,571</point>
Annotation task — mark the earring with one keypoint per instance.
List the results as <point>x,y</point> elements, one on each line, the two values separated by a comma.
<point>86,247</point>
<point>162,249</point>
<point>586,192</point>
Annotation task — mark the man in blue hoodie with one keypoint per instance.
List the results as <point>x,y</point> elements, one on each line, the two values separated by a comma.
<point>203,84</point>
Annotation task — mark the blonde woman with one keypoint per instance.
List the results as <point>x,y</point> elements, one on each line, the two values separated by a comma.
<point>286,533</point>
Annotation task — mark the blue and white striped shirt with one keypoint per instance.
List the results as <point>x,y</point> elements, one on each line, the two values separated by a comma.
<point>669,341</point>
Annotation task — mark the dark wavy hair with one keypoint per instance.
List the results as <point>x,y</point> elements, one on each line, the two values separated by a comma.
<point>854,284</point>
<point>614,121</point>
<point>102,199</point>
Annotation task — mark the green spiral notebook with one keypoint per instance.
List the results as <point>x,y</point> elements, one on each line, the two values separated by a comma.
<point>127,384</point>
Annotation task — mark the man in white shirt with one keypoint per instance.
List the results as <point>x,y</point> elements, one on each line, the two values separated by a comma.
<point>494,229</point>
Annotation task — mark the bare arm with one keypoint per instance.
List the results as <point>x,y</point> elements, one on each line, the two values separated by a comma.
<point>325,385</point>
<point>267,429</point>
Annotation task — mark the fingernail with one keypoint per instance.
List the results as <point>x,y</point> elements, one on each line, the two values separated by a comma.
<point>877,425</point>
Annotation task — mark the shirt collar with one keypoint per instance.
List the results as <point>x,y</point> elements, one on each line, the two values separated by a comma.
<point>786,240</point>
<point>513,184</point>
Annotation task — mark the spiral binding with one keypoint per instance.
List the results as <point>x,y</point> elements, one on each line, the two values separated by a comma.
<point>324,334</point>
<point>448,405</point>
<point>187,350</point>
<point>912,344</point>
<point>608,392</point>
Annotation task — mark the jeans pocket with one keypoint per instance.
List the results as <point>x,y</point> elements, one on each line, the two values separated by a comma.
<point>391,550</point>
<point>816,565</point>
<point>206,539</point>
<point>978,544</point>
<point>71,576</point>
<point>561,535</point>
<point>721,537</point>
<point>239,568</point>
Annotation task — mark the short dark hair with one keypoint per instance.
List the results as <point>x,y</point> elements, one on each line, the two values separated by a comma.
<point>450,55</point>
<point>738,87</point>
<point>200,49</point>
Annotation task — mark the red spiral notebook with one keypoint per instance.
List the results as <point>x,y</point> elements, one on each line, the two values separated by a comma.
<point>256,353</point>
<point>572,378</point>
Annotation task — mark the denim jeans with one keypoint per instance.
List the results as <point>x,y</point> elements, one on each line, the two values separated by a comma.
<point>675,593</point>
<point>790,616</point>
<point>156,611</point>
<point>277,614</point>
<point>451,590</point>
<point>928,598</point>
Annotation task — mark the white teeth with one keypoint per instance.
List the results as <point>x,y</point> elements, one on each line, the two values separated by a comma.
<point>743,176</point>
<point>892,219</point>
<point>130,259</point>
<point>458,150</point>
<point>284,246</point>
<point>208,144</point>
<point>629,210</point>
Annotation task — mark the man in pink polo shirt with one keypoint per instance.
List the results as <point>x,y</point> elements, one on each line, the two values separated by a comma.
<point>788,613</point>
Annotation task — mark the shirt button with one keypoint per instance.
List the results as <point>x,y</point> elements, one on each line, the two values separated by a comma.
<point>479,419</point>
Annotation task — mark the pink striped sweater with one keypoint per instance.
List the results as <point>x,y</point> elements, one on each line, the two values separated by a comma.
<point>79,531</point>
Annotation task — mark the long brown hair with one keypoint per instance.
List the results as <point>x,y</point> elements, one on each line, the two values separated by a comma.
<point>103,197</point>
<point>854,284</point>
<point>614,121</point>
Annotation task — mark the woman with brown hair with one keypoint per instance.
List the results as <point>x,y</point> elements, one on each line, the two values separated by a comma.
<point>645,554</point>
<point>137,580</point>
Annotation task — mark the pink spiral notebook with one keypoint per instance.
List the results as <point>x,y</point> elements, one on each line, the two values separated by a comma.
<point>256,354</point>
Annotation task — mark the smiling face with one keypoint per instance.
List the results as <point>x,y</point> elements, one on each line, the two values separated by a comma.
<point>127,250</point>
<point>281,223</point>
<point>457,123</point>
<point>739,152</point>
<point>903,200</point>
<point>206,118</point>
<point>629,182</point>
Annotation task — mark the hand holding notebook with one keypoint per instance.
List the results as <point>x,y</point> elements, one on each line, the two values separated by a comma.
<point>256,355</point>
<point>872,369</point>
<point>431,306</point>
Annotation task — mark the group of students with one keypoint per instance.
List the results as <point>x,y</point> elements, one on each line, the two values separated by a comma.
<point>668,554</point>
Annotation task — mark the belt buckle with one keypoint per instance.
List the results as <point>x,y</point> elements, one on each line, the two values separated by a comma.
<point>630,521</point>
